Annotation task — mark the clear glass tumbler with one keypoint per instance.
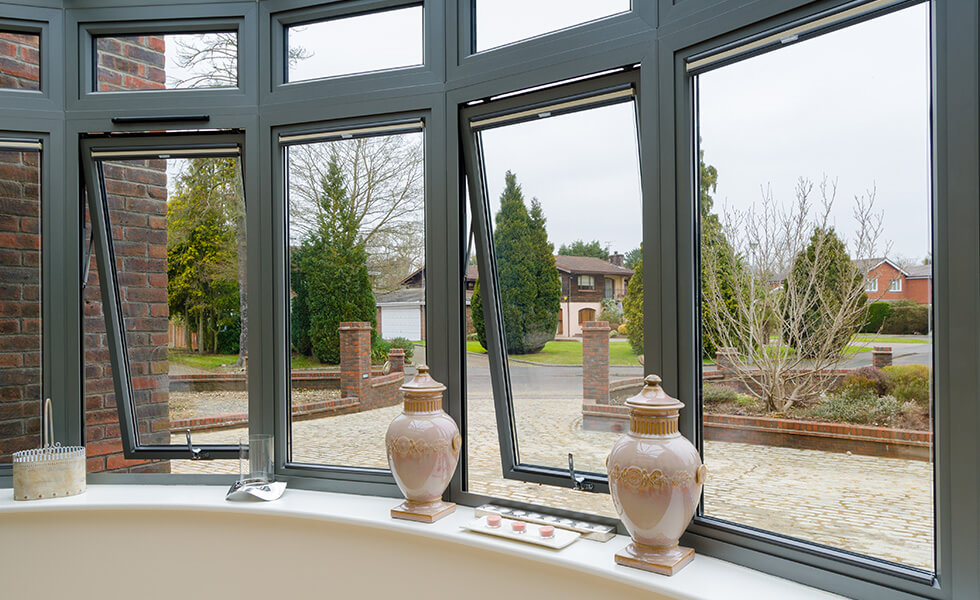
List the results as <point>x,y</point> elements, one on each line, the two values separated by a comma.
<point>255,458</point>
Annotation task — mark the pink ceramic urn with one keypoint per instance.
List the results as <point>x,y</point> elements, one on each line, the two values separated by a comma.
<point>655,478</point>
<point>423,448</point>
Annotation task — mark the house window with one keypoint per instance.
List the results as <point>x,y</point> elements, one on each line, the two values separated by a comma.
<point>781,342</point>
<point>21,67</point>
<point>166,295</point>
<point>895,285</point>
<point>500,22</point>
<point>354,206</point>
<point>20,311</point>
<point>166,61</point>
<point>610,288</point>
<point>363,43</point>
<point>531,160</point>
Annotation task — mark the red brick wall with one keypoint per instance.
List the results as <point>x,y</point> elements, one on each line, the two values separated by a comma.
<point>20,61</point>
<point>918,290</point>
<point>20,322</point>
<point>137,197</point>
<point>131,63</point>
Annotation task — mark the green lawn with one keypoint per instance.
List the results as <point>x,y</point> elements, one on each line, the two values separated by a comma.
<point>211,362</point>
<point>568,352</point>
<point>884,339</point>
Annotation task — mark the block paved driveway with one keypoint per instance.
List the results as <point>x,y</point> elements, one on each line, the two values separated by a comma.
<point>876,506</point>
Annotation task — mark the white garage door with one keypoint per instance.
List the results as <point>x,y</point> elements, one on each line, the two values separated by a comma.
<point>401,321</point>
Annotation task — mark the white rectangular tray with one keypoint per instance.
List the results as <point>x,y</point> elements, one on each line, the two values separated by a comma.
<point>562,537</point>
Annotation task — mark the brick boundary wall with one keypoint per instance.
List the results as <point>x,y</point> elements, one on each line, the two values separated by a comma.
<point>20,289</point>
<point>137,197</point>
<point>785,433</point>
<point>310,410</point>
<point>20,61</point>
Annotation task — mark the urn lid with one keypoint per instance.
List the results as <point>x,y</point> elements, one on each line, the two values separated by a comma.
<point>653,396</point>
<point>422,385</point>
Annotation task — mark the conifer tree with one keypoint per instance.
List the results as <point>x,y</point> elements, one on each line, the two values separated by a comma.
<point>530,288</point>
<point>331,268</point>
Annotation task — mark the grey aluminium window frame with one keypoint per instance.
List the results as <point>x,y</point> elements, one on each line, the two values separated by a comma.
<point>93,150</point>
<point>370,480</point>
<point>653,33</point>
<point>955,225</point>
<point>618,87</point>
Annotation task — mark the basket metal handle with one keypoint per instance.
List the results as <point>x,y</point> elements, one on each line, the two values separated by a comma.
<point>47,431</point>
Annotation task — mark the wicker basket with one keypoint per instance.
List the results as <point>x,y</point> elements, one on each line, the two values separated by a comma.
<point>51,471</point>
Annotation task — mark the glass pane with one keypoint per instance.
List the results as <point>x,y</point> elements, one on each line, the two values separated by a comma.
<point>814,195</point>
<point>20,302</point>
<point>556,244</point>
<point>357,292</point>
<point>500,22</point>
<point>166,61</point>
<point>371,42</point>
<point>20,61</point>
<point>178,235</point>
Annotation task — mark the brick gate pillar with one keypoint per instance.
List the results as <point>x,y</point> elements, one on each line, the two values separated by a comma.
<point>396,360</point>
<point>355,360</point>
<point>881,356</point>
<point>595,362</point>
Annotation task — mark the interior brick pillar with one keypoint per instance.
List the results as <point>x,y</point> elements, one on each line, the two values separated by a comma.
<point>396,360</point>
<point>355,360</point>
<point>595,361</point>
<point>881,356</point>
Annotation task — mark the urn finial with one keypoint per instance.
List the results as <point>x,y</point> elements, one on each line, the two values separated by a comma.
<point>422,385</point>
<point>653,397</point>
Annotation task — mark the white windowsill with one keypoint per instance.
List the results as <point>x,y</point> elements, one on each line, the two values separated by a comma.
<point>704,579</point>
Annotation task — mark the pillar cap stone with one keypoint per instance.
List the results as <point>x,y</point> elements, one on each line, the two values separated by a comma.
<point>595,325</point>
<point>347,325</point>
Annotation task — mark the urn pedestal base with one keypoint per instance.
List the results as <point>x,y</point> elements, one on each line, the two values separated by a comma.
<point>665,561</point>
<point>425,512</point>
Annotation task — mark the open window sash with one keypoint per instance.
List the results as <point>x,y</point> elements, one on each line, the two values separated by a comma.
<point>616,88</point>
<point>95,152</point>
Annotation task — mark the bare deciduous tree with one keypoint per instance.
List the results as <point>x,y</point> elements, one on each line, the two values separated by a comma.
<point>778,311</point>
<point>383,177</point>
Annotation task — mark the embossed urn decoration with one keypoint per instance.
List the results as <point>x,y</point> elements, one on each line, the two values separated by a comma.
<point>423,444</point>
<point>655,478</point>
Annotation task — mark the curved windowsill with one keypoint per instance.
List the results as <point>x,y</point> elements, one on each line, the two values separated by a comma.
<point>704,579</point>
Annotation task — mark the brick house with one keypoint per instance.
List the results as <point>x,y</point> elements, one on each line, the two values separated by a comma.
<point>887,282</point>
<point>585,283</point>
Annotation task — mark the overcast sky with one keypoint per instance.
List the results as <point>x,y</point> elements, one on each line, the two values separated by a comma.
<point>852,104</point>
<point>582,167</point>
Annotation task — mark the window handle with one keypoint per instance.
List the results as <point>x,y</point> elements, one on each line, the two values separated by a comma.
<point>196,453</point>
<point>578,481</point>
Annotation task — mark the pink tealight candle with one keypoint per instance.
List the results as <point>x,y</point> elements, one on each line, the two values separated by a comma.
<point>546,531</point>
<point>493,521</point>
<point>517,527</point>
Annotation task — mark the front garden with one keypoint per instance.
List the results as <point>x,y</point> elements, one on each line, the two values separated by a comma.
<point>895,397</point>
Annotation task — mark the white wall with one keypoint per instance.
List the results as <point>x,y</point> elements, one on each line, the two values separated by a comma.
<point>187,554</point>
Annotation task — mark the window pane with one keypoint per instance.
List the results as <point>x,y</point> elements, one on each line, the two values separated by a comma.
<point>357,292</point>
<point>178,236</point>
<point>500,22</point>
<point>564,195</point>
<point>815,200</point>
<point>20,61</point>
<point>20,302</point>
<point>166,61</point>
<point>372,42</point>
